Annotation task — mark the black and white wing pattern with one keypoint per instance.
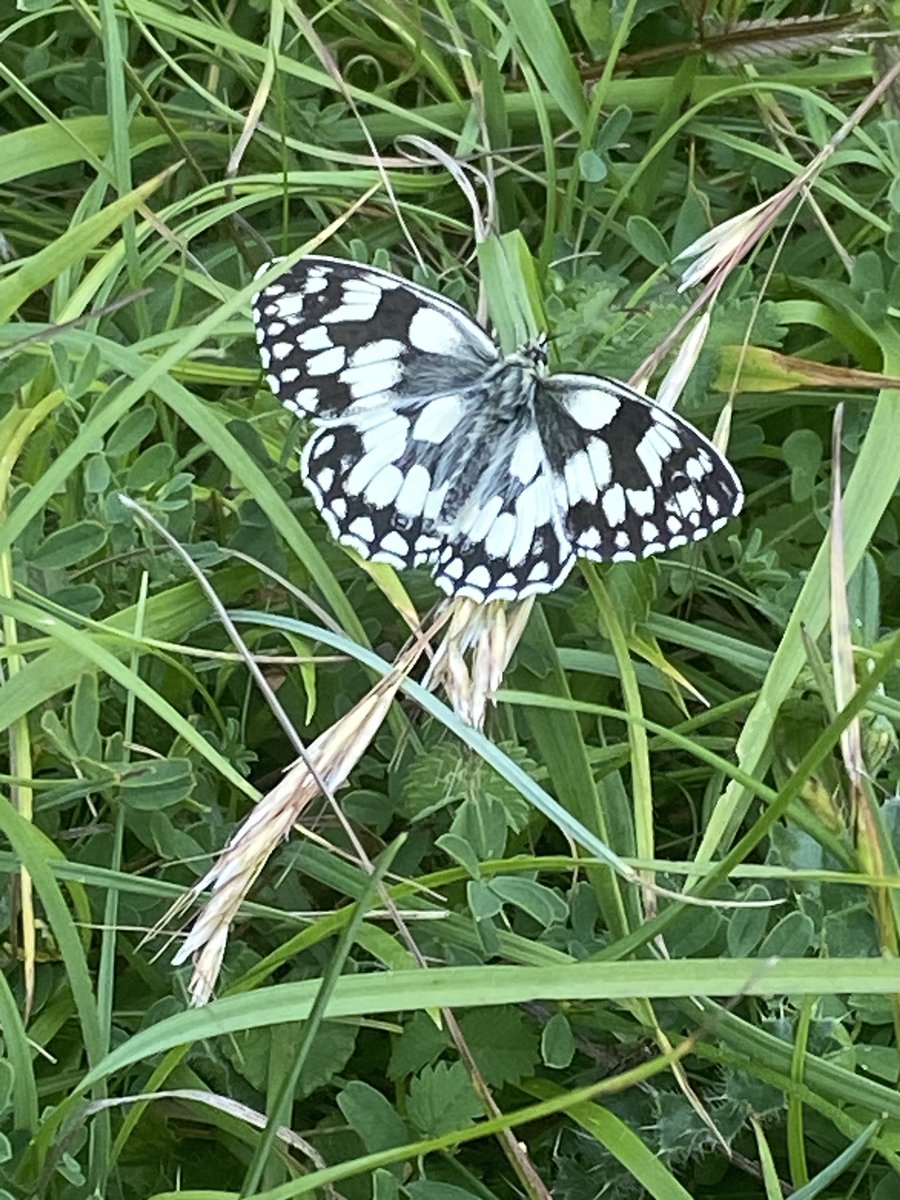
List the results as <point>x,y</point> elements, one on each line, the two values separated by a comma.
<point>431,448</point>
<point>335,335</point>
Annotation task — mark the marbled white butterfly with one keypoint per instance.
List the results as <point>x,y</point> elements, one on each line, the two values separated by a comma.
<point>431,447</point>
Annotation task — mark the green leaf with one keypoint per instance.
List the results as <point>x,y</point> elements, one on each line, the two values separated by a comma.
<point>442,1098</point>
<point>481,823</point>
<point>611,131</point>
<point>435,779</point>
<point>791,938</point>
<point>385,1186</point>
<point>69,546</point>
<point>542,903</point>
<point>483,901</point>
<point>592,166</point>
<point>864,601</point>
<point>7,1079</point>
<point>632,591</point>
<point>536,28</point>
<point>557,1042</point>
<point>693,931</point>
<point>419,1044</point>
<point>503,1042</point>
<point>802,452</point>
<point>460,850</point>
<point>747,925</point>
<point>150,467</point>
<point>249,1053</point>
<point>84,716</point>
<point>429,1189</point>
<point>594,24</point>
<point>157,783</point>
<point>372,1116</point>
<point>97,474</point>
<point>648,241</point>
<point>131,431</point>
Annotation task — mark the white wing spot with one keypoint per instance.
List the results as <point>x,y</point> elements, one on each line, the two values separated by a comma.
<point>642,500</point>
<point>385,437</point>
<point>432,332</point>
<point>437,420</point>
<point>287,306</point>
<point>375,353</point>
<point>360,304</point>
<point>306,398</point>
<point>652,459</point>
<point>500,536</point>
<point>395,543</point>
<point>328,362</point>
<point>434,502</point>
<point>527,457</point>
<point>601,462</point>
<point>696,468</point>
<point>362,528</point>
<point>315,338</point>
<point>412,496</point>
<point>383,488</point>
<point>580,482</point>
<point>526,520</point>
<point>592,407</point>
<point>479,577</point>
<point>613,502</point>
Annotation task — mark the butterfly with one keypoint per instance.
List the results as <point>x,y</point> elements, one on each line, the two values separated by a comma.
<point>431,447</point>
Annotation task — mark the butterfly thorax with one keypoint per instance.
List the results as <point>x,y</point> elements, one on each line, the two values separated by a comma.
<point>472,466</point>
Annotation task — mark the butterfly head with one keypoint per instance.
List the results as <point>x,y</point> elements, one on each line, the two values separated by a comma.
<point>533,355</point>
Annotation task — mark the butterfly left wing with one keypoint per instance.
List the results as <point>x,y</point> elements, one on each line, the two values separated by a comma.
<point>336,335</point>
<point>379,477</point>
<point>632,479</point>
<point>442,482</point>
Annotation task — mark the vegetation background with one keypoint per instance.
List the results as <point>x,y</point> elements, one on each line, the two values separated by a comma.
<point>687,712</point>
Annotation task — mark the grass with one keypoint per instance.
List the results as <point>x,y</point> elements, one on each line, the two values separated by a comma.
<point>720,722</point>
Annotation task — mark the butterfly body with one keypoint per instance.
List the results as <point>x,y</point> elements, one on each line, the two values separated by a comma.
<point>432,448</point>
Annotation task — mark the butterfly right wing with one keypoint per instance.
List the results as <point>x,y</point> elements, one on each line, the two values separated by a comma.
<point>632,479</point>
<point>336,335</point>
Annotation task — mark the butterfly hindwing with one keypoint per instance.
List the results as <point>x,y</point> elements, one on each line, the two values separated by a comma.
<point>380,477</point>
<point>433,483</point>
<point>335,335</point>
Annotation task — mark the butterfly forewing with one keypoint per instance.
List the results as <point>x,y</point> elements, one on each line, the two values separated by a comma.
<point>335,335</point>
<point>433,449</point>
<point>632,478</point>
